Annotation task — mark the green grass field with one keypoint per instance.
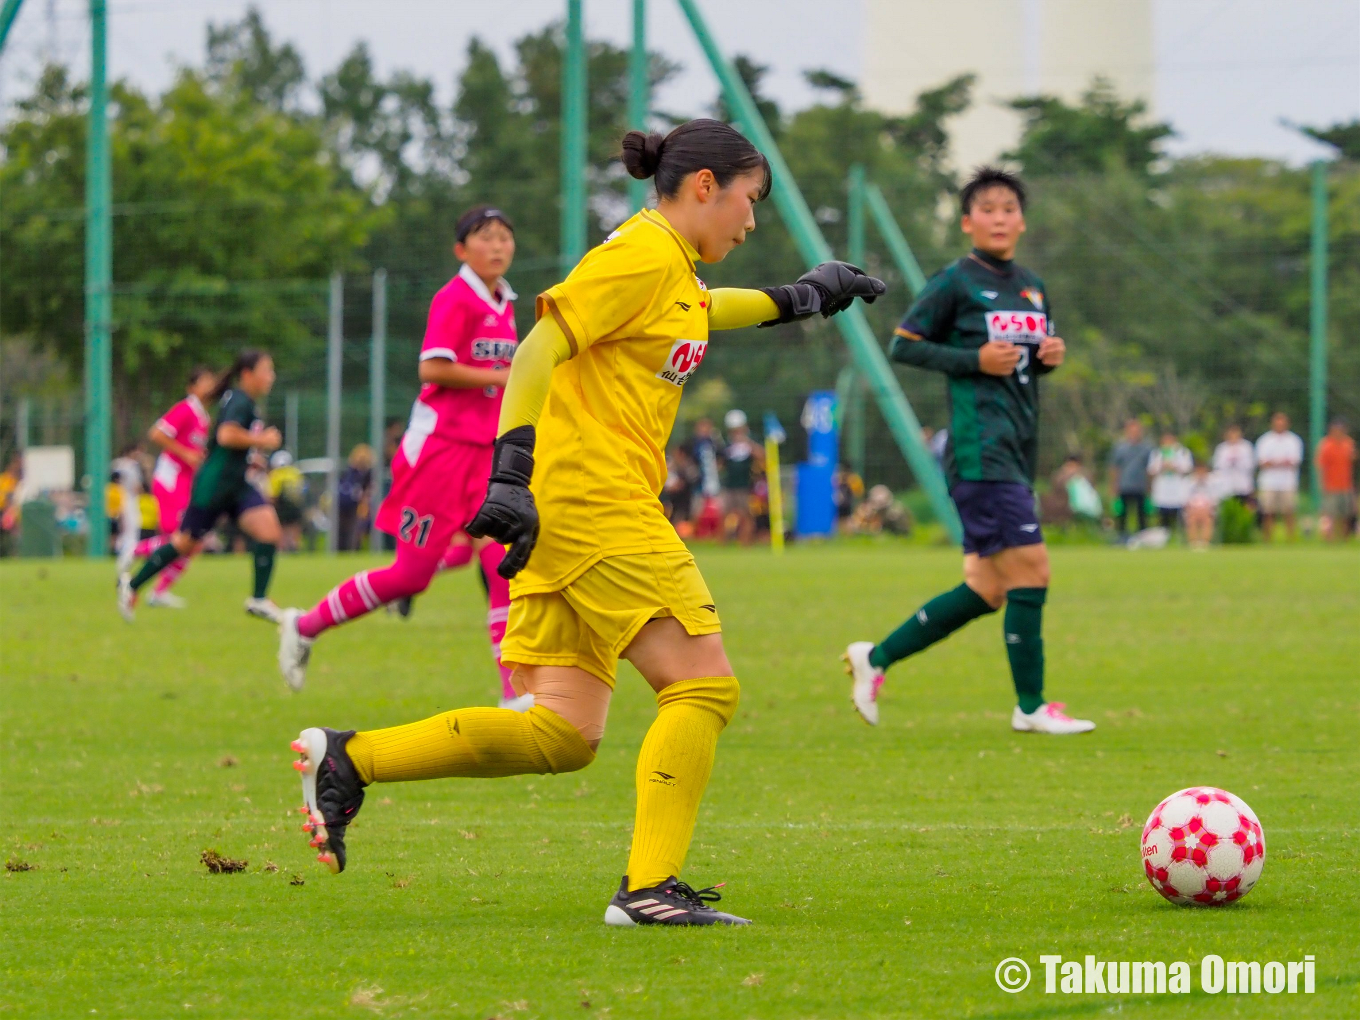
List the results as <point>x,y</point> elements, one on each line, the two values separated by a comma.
<point>888,871</point>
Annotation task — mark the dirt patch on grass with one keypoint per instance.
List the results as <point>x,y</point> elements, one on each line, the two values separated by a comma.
<point>14,864</point>
<point>219,865</point>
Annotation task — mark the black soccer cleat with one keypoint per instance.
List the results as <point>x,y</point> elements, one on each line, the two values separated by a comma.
<point>331,790</point>
<point>671,902</point>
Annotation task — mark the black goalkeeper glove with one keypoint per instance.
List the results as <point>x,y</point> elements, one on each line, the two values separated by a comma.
<point>828,288</point>
<point>508,514</point>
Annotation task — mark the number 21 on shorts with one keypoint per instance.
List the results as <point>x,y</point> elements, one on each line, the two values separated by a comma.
<point>414,527</point>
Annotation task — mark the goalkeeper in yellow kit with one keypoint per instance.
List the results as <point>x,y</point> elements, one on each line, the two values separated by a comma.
<point>598,572</point>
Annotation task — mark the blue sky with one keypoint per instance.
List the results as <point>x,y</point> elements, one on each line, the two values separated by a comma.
<point>1228,70</point>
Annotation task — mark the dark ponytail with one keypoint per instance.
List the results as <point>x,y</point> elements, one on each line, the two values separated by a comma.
<point>702,144</point>
<point>246,360</point>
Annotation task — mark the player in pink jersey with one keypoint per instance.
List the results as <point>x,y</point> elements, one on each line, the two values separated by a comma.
<point>182,435</point>
<point>441,468</point>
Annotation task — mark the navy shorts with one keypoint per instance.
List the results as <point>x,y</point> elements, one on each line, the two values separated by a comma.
<point>199,520</point>
<point>996,516</point>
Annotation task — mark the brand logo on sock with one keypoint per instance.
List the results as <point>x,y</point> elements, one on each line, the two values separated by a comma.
<point>664,778</point>
<point>921,615</point>
<point>1012,639</point>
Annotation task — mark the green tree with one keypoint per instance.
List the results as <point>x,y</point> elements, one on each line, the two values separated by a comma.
<point>1100,133</point>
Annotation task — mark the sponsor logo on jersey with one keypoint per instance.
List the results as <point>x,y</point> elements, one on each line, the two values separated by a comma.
<point>489,319</point>
<point>494,350</point>
<point>1034,296</point>
<point>683,361</point>
<point>1017,327</point>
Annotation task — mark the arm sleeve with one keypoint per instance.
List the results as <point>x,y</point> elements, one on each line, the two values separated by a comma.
<point>733,308</point>
<point>1039,367</point>
<point>526,391</point>
<point>920,340</point>
<point>443,329</point>
<point>610,294</point>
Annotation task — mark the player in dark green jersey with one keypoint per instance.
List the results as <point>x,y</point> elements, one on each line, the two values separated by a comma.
<point>985,323</point>
<point>221,488</point>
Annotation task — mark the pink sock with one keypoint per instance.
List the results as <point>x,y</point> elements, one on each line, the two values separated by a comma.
<point>366,591</point>
<point>498,608</point>
<point>149,545</point>
<point>455,556</point>
<point>171,574</point>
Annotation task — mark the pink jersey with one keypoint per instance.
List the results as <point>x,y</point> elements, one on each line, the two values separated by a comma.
<point>187,423</point>
<point>469,325</point>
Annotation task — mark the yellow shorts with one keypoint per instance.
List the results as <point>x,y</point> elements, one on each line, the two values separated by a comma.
<point>592,620</point>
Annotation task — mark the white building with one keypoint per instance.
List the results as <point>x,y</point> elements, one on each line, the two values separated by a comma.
<point>1015,47</point>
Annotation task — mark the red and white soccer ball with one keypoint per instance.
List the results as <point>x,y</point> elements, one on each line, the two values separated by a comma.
<point>1203,847</point>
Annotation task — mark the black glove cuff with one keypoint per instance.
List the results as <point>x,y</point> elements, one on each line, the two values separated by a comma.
<point>795,301</point>
<point>513,459</point>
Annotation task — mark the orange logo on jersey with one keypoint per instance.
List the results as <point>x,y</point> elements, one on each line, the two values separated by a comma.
<point>1034,295</point>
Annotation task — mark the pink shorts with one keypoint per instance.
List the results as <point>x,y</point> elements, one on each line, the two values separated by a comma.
<point>172,501</point>
<point>436,498</point>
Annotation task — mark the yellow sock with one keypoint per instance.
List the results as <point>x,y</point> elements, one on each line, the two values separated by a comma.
<point>484,742</point>
<point>672,772</point>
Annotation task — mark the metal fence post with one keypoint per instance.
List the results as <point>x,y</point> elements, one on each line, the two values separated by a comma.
<point>573,239</point>
<point>377,403</point>
<point>639,85</point>
<point>1317,360</point>
<point>334,377</point>
<point>98,276</point>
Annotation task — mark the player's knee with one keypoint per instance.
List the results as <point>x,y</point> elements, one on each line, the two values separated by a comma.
<point>563,745</point>
<point>718,694</point>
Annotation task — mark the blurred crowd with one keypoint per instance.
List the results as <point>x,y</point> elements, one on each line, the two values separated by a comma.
<point>1160,491</point>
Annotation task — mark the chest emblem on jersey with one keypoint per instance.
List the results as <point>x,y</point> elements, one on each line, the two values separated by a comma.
<point>703,294</point>
<point>494,350</point>
<point>488,319</point>
<point>990,295</point>
<point>1017,327</point>
<point>683,361</point>
<point>1034,296</point>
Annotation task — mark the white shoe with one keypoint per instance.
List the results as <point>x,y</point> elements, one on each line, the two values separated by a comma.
<point>868,679</point>
<point>165,600</point>
<point>127,598</point>
<point>521,704</point>
<point>264,609</point>
<point>294,650</point>
<point>1049,718</point>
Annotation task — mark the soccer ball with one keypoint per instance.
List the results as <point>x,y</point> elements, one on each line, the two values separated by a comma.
<point>1203,847</point>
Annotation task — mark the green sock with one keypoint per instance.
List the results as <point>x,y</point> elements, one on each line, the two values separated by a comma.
<point>1024,630</point>
<point>264,567</point>
<point>155,563</point>
<point>937,619</point>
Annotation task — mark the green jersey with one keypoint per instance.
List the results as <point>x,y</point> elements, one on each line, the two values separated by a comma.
<point>224,469</point>
<point>993,420</point>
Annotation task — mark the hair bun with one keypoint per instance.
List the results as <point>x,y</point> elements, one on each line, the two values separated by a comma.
<point>642,153</point>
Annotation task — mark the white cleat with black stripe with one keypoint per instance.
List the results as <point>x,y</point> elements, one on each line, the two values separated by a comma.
<point>671,902</point>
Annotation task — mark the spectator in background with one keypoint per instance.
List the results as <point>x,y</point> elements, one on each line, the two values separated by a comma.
<point>1235,466</point>
<point>1170,467</point>
<point>1129,476</point>
<point>677,497</point>
<point>287,493</point>
<point>742,460</point>
<point>124,508</point>
<point>9,503</point>
<point>703,450</point>
<point>847,489</point>
<point>1279,453</point>
<point>355,485</point>
<point>1075,493</point>
<point>1201,507</point>
<point>1336,470</point>
<point>937,441</point>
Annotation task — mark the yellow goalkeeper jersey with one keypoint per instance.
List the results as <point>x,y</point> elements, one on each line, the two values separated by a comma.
<point>636,319</point>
